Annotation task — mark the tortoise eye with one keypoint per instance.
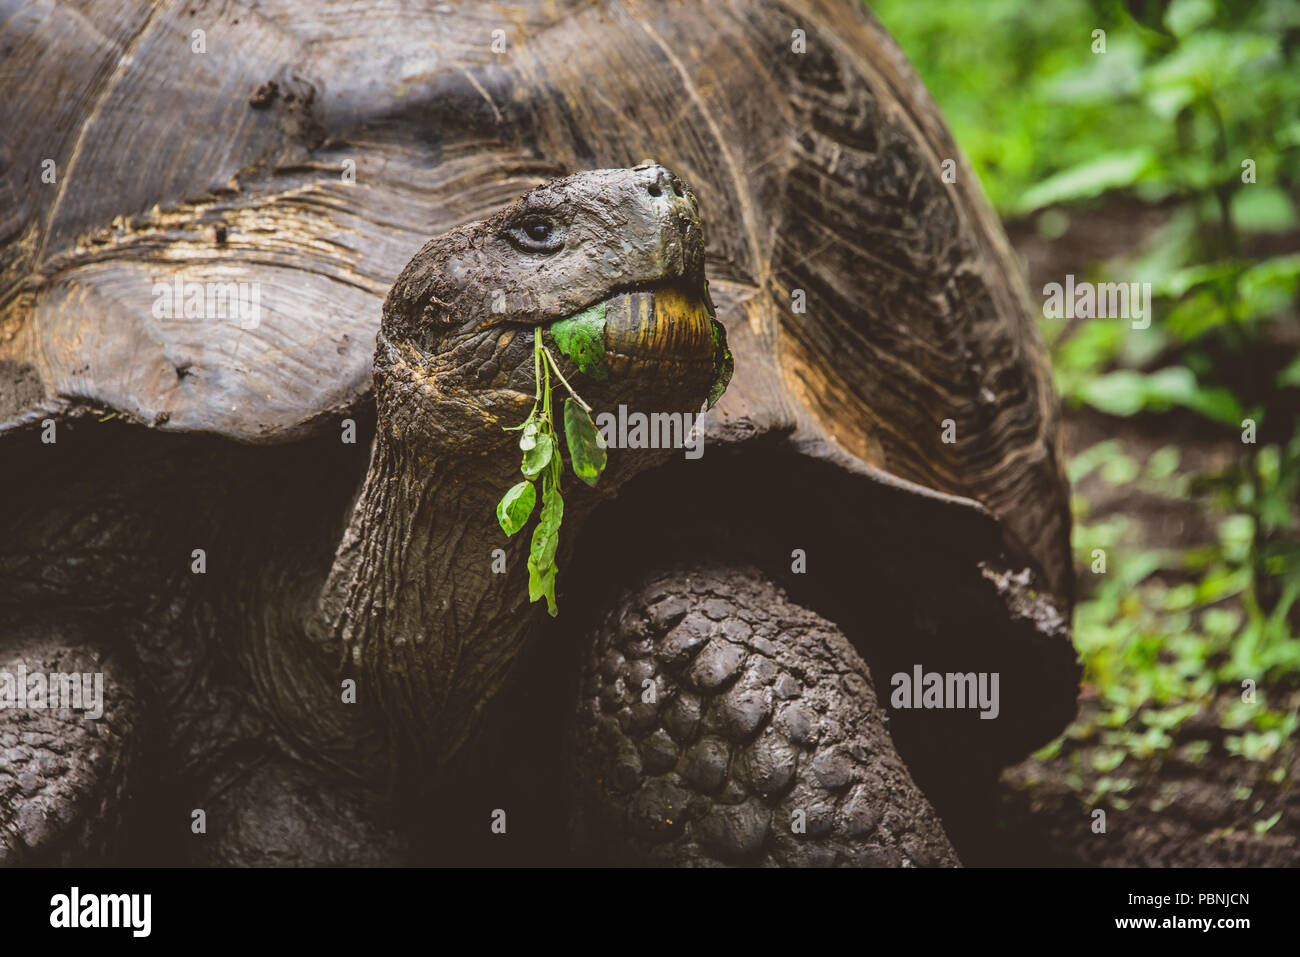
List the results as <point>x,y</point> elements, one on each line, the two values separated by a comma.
<point>537,235</point>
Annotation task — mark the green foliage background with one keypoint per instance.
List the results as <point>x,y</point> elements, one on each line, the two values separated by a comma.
<point>1165,119</point>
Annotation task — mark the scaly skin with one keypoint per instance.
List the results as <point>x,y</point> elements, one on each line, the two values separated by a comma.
<point>719,723</point>
<point>63,778</point>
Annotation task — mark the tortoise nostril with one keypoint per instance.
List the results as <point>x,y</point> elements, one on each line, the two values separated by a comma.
<point>677,188</point>
<point>654,190</point>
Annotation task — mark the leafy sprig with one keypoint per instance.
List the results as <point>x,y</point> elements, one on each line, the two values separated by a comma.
<point>542,463</point>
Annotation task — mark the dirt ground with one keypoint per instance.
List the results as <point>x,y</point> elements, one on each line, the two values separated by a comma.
<point>1184,809</point>
<point>1181,813</point>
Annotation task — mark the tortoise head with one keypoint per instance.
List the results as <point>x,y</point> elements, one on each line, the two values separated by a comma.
<point>617,255</point>
<point>621,248</point>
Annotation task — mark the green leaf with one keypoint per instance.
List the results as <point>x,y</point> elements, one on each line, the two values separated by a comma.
<point>586,447</point>
<point>1185,16</point>
<point>515,507</point>
<point>1125,392</point>
<point>1262,827</point>
<point>1119,393</point>
<point>1269,287</point>
<point>1083,464</point>
<point>546,537</point>
<point>1263,209</point>
<point>581,337</point>
<point>541,584</point>
<point>724,364</point>
<point>1207,60</point>
<point>1290,376</point>
<point>1217,403</point>
<point>1091,178</point>
<point>1163,463</point>
<point>537,452</point>
<point>1090,349</point>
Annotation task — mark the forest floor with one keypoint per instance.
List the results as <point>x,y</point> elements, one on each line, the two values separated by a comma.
<point>1194,799</point>
<point>1192,803</point>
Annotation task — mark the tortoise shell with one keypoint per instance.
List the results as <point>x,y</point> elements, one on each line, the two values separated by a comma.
<point>874,307</point>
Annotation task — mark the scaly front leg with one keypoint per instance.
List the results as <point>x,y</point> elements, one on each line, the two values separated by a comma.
<point>718,723</point>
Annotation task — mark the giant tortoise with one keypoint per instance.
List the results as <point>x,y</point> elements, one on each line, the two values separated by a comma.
<point>265,513</point>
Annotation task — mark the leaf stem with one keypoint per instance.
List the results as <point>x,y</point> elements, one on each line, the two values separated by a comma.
<point>554,365</point>
<point>537,362</point>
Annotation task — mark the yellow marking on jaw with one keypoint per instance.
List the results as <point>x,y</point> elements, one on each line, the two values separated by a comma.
<point>666,323</point>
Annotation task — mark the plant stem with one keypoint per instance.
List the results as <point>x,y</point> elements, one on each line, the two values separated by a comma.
<point>537,363</point>
<point>577,398</point>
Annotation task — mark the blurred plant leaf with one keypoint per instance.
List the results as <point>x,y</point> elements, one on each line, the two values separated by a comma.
<point>1091,178</point>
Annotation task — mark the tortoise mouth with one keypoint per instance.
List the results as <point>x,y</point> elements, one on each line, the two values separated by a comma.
<point>664,331</point>
<point>660,324</point>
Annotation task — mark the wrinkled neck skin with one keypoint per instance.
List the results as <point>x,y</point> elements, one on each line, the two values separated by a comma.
<point>427,628</point>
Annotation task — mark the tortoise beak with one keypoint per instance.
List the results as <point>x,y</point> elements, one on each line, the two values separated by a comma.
<point>661,325</point>
<point>664,338</point>
<point>670,330</point>
<point>667,336</point>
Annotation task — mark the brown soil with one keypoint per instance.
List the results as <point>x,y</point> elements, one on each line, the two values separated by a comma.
<point>1180,812</point>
